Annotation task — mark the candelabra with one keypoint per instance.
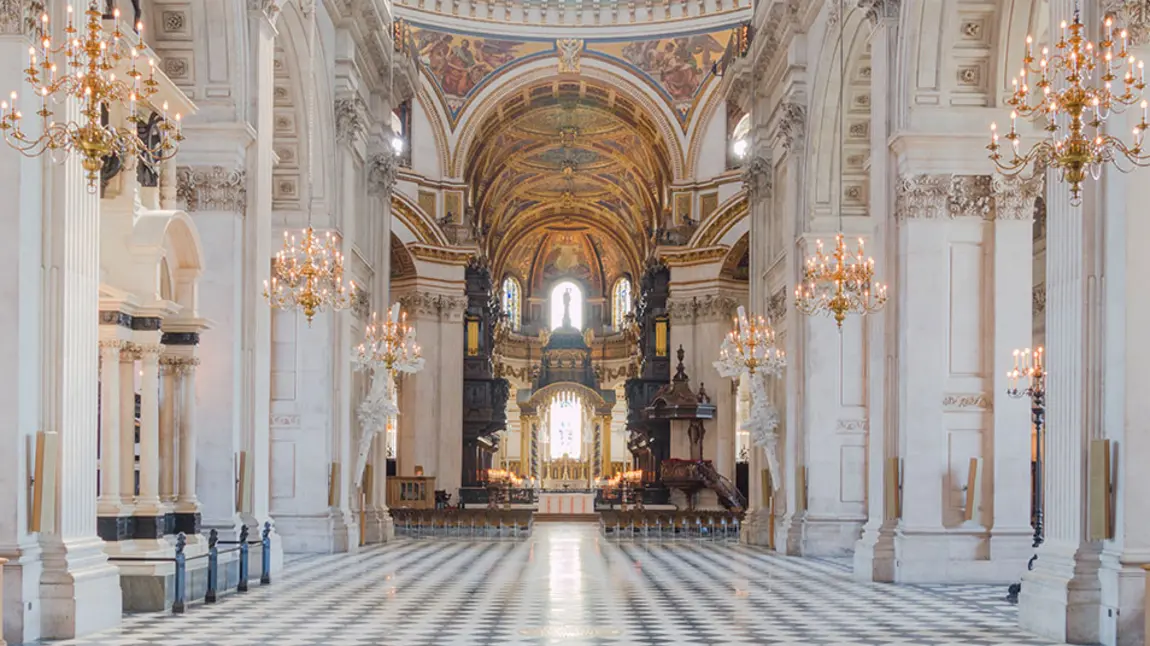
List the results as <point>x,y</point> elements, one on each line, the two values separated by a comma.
<point>389,345</point>
<point>1029,365</point>
<point>1077,103</point>
<point>500,484</point>
<point>101,73</point>
<point>839,284</point>
<point>750,347</point>
<point>308,277</point>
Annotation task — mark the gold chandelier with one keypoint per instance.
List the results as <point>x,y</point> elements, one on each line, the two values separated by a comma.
<point>839,284</point>
<point>843,282</point>
<point>101,72</point>
<point>309,277</point>
<point>390,345</point>
<point>1077,104</point>
<point>750,347</point>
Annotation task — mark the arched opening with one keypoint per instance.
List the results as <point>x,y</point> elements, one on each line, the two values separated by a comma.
<point>511,298</point>
<point>621,300</point>
<point>565,432</point>
<point>566,306</point>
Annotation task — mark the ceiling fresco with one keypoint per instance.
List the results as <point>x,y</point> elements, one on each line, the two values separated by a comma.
<point>459,64</point>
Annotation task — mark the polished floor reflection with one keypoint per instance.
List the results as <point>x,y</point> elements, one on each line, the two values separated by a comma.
<point>567,585</point>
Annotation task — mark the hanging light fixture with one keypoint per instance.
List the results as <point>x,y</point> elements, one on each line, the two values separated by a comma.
<point>102,72</point>
<point>1079,103</point>
<point>309,277</point>
<point>843,282</point>
<point>389,346</point>
<point>750,348</point>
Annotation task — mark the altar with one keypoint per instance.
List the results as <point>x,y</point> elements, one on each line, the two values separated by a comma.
<point>566,504</point>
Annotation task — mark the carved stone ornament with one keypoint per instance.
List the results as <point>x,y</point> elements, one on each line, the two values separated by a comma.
<point>382,172</point>
<point>852,425</point>
<point>1015,197</point>
<point>711,307</point>
<point>977,401</point>
<point>922,197</point>
<point>570,50</point>
<point>791,125</point>
<point>350,119</point>
<point>970,195</point>
<point>212,189</point>
<point>19,16</point>
<point>777,305</point>
<point>1134,15</point>
<point>360,303</point>
<point>1038,300</point>
<point>757,178</point>
<point>880,10</point>
<point>429,305</point>
<point>269,8</point>
<point>943,196</point>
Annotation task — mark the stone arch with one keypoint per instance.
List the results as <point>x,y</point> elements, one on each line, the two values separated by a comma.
<point>412,224</point>
<point>724,225</point>
<point>736,264</point>
<point>590,397</point>
<point>168,258</point>
<point>593,71</point>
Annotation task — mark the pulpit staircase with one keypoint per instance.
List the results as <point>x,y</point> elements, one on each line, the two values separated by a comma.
<point>729,496</point>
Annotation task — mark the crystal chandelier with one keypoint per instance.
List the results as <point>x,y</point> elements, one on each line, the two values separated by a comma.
<point>750,348</point>
<point>309,277</point>
<point>1077,102</point>
<point>101,72</point>
<point>843,282</point>
<point>839,284</point>
<point>389,346</point>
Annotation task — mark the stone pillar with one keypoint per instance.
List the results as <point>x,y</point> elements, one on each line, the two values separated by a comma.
<point>169,393</point>
<point>381,177</point>
<point>108,504</point>
<point>79,589</point>
<point>149,510</point>
<point>187,503</point>
<point>127,397</point>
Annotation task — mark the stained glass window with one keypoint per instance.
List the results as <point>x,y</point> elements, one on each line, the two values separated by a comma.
<point>512,300</point>
<point>620,302</point>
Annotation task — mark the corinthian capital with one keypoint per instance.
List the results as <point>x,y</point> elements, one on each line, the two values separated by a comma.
<point>382,172</point>
<point>1134,15</point>
<point>212,189</point>
<point>880,10</point>
<point>350,119</point>
<point>791,126</point>
<point>19,16</point>
<point>757,177</point>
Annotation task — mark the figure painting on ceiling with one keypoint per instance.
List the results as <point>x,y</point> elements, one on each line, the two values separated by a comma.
<point>458,63</point>
<point>679,64</point>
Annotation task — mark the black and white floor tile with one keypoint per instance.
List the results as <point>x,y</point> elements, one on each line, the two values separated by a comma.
<point>567,585</point>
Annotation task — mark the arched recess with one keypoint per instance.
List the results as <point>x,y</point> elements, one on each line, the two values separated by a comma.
<point>737,264</point>
<point>824,164</point>
<point>543,396</point>
<point>402,264</point>
<point>413,224</point>
<point>167,259</point>
<point>294,67</point>
<point>724,225</point>
<point>516,80</point>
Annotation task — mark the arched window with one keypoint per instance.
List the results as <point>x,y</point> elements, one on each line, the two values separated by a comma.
<point>512,300</point>
<point>557,305</point>
<point>620,302</point>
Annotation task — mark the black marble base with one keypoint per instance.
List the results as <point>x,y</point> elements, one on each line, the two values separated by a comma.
<point>148,527</point>
<point>187,523</point>
<point>115,528</point>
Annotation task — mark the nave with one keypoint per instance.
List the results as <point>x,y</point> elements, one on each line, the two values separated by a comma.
<point>567,585</point>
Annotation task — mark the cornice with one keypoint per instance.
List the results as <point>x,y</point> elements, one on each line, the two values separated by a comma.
<point>441,255</point>
<point>947,197</point>
<point>697,309</point>
<point>691,257</point>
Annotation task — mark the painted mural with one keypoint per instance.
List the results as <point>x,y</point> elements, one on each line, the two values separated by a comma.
<point>678,68</point>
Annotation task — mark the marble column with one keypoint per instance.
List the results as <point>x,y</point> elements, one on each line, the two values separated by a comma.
<point>187,502</point>
<point>149,509</point>
<point>169,393</point>
<point>79,589</point>
<point>22,321</point>
<point>129,355</point>
<point>382,169</point>
<point>108,504</point>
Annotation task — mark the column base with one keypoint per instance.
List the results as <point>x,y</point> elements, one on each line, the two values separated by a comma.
<point>1061,597</point>
<point>789,534</point>
<point>828,535</point>
<point>79,589</point>
<point>379,527</point>
<point>756,529</point>
<point>874,557</point>
<point>327,532</point>
<point>958,555</point>
<point>22,595</point>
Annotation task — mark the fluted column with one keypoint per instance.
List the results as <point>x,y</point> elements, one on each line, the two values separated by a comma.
<point>187,501</point>
<point>109,502</point>
<point>148,503</point>
<point>127,400</point>
<point>169,393</point>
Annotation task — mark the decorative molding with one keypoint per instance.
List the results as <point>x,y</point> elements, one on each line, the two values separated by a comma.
<point>853,425</point>
<point>922,197</point>
<point>712,307</point>
<point>351,117</point>
<point>777,305</point>
<point>212,189</point>
<point>360,303</point>
<point>111,317</point>
<point>180,338</point>
<point>431,304</point>
<point>1038,300</point>
<point>688,257</point>
<point>880,10</point>
<point>441,255</point>
<point>382,172</point>
<point>757,180</point>
<point>791,125</point>
<point>976,401</point>
<point>1134,15</point>
<point>284,421</point>
<point>19,16</point>
<point>970,195</point>
<point>1015,198</point>
<point>149,351</point>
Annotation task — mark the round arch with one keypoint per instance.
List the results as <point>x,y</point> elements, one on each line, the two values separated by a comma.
<point>541,397</point>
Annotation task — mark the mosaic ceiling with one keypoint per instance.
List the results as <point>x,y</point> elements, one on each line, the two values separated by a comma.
<point>568,166</point>
<point>678,68</point>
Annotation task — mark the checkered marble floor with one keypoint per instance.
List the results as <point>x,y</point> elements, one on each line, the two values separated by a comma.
<point>567,585</point>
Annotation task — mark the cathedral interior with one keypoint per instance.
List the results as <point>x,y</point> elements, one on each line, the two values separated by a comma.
<point>574,322</point>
